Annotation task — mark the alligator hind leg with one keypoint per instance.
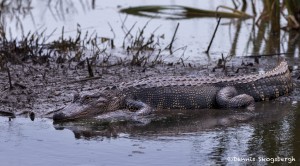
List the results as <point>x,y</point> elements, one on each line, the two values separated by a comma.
<point>141,107</point>
<point>228,97</point>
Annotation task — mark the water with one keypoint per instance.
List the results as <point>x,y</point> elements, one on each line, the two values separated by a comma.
<point>32,144</point>
<point>272,133</point>
<point>233,36</point>
<point>198,140</point>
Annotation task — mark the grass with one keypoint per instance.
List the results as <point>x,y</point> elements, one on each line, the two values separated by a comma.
<point>145,49</point>
<point>141,49</point>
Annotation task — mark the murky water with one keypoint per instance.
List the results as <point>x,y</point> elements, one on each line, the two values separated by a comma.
<point>205,139</point>
<point>233,36</point>
<point>272,133</point>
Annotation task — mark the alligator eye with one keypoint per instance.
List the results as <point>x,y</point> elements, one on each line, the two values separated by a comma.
<point>87,97</point>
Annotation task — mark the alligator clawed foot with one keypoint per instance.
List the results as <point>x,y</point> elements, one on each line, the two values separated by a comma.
<point>141,116</point>
<point>140,120</point>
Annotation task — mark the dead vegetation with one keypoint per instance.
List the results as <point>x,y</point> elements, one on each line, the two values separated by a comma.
<point>141,49</point>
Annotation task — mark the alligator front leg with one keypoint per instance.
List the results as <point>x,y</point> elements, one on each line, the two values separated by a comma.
<point>142,110</point>
<point>141,107</point>
<point>228,97</point>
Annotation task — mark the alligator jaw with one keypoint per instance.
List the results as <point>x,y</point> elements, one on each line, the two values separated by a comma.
<point>79,109</point>
<point>70,112</point>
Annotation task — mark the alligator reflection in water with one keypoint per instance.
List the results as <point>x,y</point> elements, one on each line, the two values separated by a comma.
<point>175,122</point>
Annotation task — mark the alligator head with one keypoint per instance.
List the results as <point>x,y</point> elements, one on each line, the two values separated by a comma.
<point>83,107</point>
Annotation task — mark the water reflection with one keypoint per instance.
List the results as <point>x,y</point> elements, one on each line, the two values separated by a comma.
<point>245,37</point>
<point>60,9</point>
<point>19,17</point>
<point>270,131</point>
<point>12,11</point>
<point>166,122</point>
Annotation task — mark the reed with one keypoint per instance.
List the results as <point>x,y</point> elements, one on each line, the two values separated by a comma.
<point>293,8</point>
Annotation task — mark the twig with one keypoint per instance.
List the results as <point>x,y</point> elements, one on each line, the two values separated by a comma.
<point>91,74</point>
<point>7,113</point>
<point>112,40</point>
<point>173,38</point>
<point>9,79</point>
<point>207,51</point>
<point>111,29</point>
<point>182,61</point>
<point>128,33</point>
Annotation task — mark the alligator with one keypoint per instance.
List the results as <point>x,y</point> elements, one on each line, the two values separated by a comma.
<point>146,95</point>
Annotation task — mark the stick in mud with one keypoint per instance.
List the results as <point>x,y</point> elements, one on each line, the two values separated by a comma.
<point>91,74</point>
<point>173,38</point>
<point>9,79</point>
<point>207,51</point>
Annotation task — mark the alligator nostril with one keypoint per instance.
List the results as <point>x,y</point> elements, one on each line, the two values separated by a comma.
<point>59,116</point>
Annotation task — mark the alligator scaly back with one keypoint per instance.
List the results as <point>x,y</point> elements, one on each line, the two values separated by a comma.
<point>163,81</point>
